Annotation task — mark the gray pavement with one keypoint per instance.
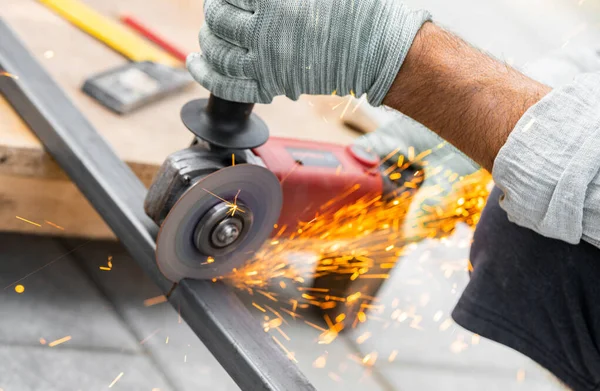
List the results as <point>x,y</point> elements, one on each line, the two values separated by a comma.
<point>113,331</point>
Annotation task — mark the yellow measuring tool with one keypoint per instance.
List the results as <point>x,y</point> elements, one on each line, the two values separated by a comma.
<point>112,33</point>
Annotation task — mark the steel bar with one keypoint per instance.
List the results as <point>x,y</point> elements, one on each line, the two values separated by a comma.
<point>215,314</point>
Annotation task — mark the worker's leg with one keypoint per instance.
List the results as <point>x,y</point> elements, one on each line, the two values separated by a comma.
<point>537,295</point>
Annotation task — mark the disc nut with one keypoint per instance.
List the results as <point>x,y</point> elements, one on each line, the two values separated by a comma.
<point>226,232</point>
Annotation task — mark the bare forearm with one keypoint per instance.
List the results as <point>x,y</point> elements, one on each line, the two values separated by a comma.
<point>467,97</point>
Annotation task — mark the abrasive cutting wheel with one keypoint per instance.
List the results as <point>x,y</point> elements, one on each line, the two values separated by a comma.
<point>219,223</point>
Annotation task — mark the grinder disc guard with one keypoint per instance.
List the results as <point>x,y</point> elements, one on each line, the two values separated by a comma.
<point>259,197</point>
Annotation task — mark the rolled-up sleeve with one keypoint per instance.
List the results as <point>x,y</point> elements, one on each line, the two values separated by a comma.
<point>549,169</point>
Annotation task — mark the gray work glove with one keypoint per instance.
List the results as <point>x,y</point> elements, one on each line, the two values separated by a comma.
<point>254,50</point>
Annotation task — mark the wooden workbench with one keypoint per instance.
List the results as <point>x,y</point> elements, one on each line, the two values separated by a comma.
<point>32,186</point>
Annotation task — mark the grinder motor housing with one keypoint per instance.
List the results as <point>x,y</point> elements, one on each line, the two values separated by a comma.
<point>311,175</point>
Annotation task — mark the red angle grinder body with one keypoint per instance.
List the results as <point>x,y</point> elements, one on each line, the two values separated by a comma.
<point>214,215</point>
<point>315,176</point>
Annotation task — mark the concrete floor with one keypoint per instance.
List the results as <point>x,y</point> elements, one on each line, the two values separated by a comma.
<point>113,332</point>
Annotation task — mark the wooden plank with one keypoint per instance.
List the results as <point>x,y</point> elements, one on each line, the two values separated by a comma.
<point>46,202</point>
<point>148,135</point>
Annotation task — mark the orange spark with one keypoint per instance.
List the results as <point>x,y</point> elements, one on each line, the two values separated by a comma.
<point>369,359</point>
<point>446,324</point>
<point>233,207</point>
<point>361,316</point>
<point>458,345</point>
<point>353,297</point>
<point>375,276</point>
<point>347,105</point>
<point>267,295</point>
<point>119,376</point>
<point>328,337</point>
<point>3,73</point>
<point>292,314</point>
<point>54,225</point>
<point>155,300</point>
<point>273,323</point>
<point>28,221</point>
<point>152,334</point>
<point>289,354</point>
<point>59,341</point>
<point>284,335</point>
<point>315,326</point>
<point>363,337</point>
<point>320,362</point>
<point>313,289</point>
<point>109,263</point>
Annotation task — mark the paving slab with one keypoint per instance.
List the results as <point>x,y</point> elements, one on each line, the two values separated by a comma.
<point>417,301</point>
<point>156,325</point>
<point>188,364</point>
<point>328,366</point>
<point>52,369</point>
<point>414,333</point>
<point>58,299</point>
<point>424,378</point>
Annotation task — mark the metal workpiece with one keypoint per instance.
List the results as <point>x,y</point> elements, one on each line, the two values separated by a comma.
<point>215,314</point>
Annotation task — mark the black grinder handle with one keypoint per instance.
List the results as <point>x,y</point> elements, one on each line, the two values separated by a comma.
<point>225,124</point>
<point>228,113</point>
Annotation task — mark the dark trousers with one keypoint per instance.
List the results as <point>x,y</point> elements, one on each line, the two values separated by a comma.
<point>537,295</point>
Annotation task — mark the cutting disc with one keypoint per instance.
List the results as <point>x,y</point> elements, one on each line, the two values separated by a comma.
<point>252,186</point>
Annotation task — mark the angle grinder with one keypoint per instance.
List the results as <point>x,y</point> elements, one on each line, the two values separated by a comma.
<point>220,199</point>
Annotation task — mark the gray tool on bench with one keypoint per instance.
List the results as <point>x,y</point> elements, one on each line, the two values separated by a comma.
<point>135,85</point>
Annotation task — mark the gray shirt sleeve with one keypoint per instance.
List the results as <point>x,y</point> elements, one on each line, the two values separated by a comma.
<point>549,169</point>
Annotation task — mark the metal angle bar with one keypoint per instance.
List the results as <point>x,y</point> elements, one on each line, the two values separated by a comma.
<point>215,314</point>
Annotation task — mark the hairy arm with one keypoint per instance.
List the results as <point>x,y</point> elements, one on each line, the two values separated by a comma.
<point>462,94</point>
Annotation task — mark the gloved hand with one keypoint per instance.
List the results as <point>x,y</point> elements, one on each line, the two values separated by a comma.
<point>254,50</point>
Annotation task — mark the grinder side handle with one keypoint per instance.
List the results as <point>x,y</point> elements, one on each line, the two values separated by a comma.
<point>224,124</point>
<point>228,114</point>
